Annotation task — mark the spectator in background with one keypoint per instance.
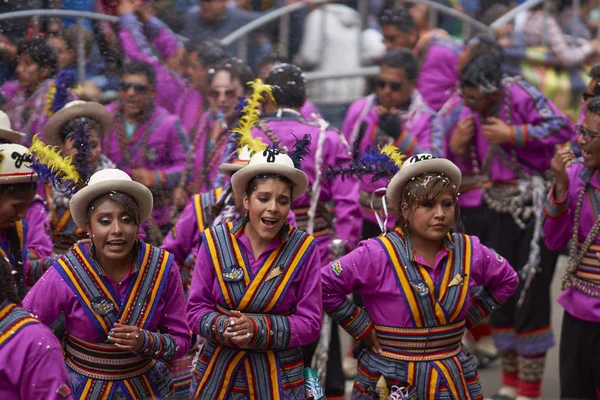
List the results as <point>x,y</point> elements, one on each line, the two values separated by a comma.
<point>138,30</point>
<point>191,105</point>
<point>65,45</point>
<point>580,23</point>
<point>503,33</point>
<point>147,142</point>
<point>333,41</point>
<point>210,143</point>
<point>530,31</point>
<point>438,55</point>
<point>214,20</point>
<point>31,96</point>
<point>266,64</point>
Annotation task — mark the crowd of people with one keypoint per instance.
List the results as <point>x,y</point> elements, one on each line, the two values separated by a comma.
<point>208,232</point>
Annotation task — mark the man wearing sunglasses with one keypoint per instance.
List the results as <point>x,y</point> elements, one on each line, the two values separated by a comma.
<point>438,55</point>
<point>504,143</point>
<point>395,114</point>
<point>147,142</point>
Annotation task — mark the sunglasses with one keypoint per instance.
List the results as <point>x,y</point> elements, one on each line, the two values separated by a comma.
<point>137,87</point>
<point>216,93</point>
<point>587,134</point>
<point>381,83</point>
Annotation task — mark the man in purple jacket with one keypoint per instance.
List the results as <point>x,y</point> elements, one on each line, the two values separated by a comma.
<point>503,143</point>
<point>438,55</point>
<point>395,114</point>
<point>147,142</point>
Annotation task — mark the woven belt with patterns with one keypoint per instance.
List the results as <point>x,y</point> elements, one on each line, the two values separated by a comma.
<point>420,344</point>
<point>322,225</point>
<point>104,361</point>
<point>589,268</point>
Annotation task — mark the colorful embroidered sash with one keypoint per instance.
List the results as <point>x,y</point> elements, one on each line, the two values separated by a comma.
<point>202,206</point>
<point>589,269</point>
<point>265,376</point>
<point>12,320</point>
<point>97,296</point>
<point>437,311</point>
<point>104,307</point>
<point>444,303</point>
<point>322,225</point>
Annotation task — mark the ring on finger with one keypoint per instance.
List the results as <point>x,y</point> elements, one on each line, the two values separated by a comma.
<point>128,334</point>
<point>234,334</point>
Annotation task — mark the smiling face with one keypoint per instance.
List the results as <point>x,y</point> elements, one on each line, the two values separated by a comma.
<point>268,206</point>
<point>590,146</point>
<point>112,229</point>
<point>136,94</point>
<point>14,205</point>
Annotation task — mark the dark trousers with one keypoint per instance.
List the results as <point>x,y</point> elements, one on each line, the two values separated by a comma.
<point>335,380</point>
<point>499,232</point>
<point>579,359</point>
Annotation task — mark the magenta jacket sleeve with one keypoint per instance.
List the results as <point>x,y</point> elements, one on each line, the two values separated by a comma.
<point>180,240</point>
<point>345,193</point>
<point>351,118</point>
<point>168,177</point>
<point>136,48</point>
<point>39,243</point>
<point>43,374</point>
<point>201,301</point>
<point>51,287</point>
<point>494,276</point>
<point>163,39</point>
<point>351,274</point>
<point>418,138</point>
<point>173,323</point>
<point>560,213</point>
<point>546,124</point>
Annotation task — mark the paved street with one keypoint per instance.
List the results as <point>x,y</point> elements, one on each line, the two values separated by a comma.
<point>490,377</point>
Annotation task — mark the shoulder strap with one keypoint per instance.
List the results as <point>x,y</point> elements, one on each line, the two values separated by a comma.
<point>12,320</point>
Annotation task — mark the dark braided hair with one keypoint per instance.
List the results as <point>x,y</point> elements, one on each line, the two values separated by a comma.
<point>485,44</point>
<point>398,17</point>
<point>289,85</point>
<point>8,290</point>
<point>483,72</point>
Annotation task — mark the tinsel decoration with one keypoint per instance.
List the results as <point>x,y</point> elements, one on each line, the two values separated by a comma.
<point>251,116</point>
<point>58,94</point>
<point>52,167</point>
<point>301,149</point>
<point>376,163</point>
<point>81,141</point>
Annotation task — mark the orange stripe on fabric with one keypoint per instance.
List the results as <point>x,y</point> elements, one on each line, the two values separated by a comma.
<point>129,387</point>
<point>199,214</point>
<point>438,312</point>
<point>82,294</point>
<point>250,379</point>
<point>258,279</point>
<point>210,241</point>
<point>447,275</point>
<point>433,383</point>
<point>229,373</point>
<point>238,254</point>
<point>6,310</point>
<point>448,378</point>
<point>147,384</point>
<point>406,288</point>
<point>274,374</point>
<point>155,288</point>
<point>465,286</point>
<point>94,275</point>
<point>288,274</point>
<point>138,282</point>
<point>86,389</point>
<point>208,371</point>
<point>16,327</point>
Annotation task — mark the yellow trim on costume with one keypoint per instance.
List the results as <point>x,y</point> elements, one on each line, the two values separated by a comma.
<point>452,387</point>
<point>465,286</point>
<point>274,373</point>
<point>82,294</point>
<point>258,279</point>
<point>229,373</point>
<point>210,241</point>
<point>406,288</point>
<point>433,383</point>
<point>250,378</point>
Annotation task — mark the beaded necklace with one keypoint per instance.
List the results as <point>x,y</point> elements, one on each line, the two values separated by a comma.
<point>570,279</point>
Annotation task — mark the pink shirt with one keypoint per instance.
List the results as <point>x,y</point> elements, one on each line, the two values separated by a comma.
<point>368,271</point>
<point>36,368</point>
<point>302,298</point>
<point>169,317</point>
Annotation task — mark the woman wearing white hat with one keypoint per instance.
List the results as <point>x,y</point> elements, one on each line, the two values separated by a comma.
<point>122,298</point>
<point>78,127</point>
<point>23,238</point>
<point>415,282</point>
<point>255,295</point>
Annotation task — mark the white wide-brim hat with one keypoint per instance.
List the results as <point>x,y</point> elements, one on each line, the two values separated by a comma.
<point>15,164</point>
<point>270,161</point>
<point>77,109</point>
<point>6,132</point>
<point>104,182</point>
<point>418,165</point>
<point>242,160</point>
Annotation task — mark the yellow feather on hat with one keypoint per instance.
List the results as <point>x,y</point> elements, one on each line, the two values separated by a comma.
<point>251,116</point>
<point>59,166</point>
<point>394,154</point>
